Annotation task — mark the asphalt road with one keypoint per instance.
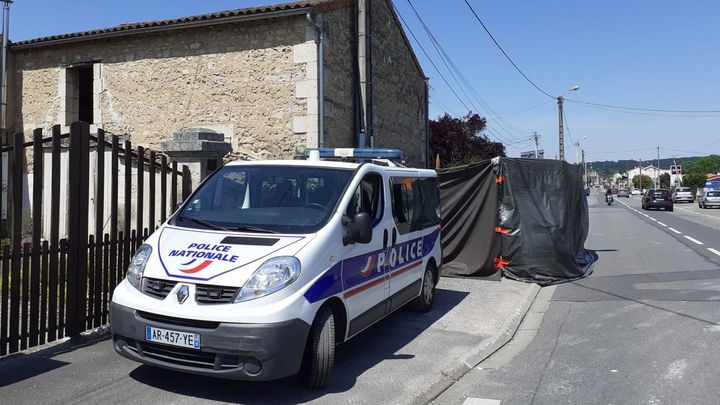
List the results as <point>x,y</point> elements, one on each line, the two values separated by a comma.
<point>644,328</point>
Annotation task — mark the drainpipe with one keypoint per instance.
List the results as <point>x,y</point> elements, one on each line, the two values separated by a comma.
<point>369,130</point>
<point>3,88</point>
<point>321,79</point>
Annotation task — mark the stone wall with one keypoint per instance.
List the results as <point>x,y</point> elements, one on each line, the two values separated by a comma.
<point>399,108</point>
<point>248,80</point>
<point>339,78</point>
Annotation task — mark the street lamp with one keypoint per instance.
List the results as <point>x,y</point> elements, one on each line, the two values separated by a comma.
<point>560,121</point>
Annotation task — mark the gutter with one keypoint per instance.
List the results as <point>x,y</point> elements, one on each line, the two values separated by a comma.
<point>147,30</point>
<point>321,78</point>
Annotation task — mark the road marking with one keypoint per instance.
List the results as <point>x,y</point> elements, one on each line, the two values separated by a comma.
<point>481,401</point>
<point>660,223</point>
<point>717,252</point>
<point>697,242</point>
<point>675,230</point>
<point>653,219</point>
<point>698,213</point>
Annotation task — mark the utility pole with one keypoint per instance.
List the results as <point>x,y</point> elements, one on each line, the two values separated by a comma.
<point>561,137</point>
<point>640,165</point>
<point>657,172</point>
<point>536,137</point>
<point>584,166</point>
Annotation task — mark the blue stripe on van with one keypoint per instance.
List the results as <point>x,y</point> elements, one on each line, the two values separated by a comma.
<point>357,270</point>
<point>326,286</point>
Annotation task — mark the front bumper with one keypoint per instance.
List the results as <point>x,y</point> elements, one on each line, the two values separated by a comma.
<point>237,351</point>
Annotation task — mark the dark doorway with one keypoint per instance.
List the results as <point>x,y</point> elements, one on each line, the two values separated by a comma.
<point>85,94</point>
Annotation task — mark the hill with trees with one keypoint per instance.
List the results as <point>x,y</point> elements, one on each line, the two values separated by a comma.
<point>608,167</point>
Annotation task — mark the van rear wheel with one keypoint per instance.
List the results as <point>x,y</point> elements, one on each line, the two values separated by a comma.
<point>424,302</point>
<point>319,358</point>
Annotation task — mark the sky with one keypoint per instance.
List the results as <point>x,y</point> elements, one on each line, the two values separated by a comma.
<point>648,54</point>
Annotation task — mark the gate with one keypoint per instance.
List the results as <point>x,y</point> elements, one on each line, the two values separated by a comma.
<point>62,285</point>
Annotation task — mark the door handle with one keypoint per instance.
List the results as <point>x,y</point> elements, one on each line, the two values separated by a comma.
<point>385,239</point>
<point>394,237</point>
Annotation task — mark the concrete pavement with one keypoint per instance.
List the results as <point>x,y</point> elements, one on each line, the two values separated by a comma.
<point>406,358</point>
<point>642,329</point>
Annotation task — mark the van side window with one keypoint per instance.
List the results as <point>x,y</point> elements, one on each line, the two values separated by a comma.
<point>368,197</point>
<point>415,203</point>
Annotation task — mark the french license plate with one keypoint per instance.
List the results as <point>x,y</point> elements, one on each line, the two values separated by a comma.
<point>172,337</point>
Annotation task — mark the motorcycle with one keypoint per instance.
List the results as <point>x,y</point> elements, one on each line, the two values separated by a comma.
<point>608,199</point>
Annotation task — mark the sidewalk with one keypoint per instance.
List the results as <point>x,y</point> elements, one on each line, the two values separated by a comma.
<point>406,358</point>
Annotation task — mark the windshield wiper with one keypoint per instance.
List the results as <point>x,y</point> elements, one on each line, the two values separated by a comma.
<point>249,228</point>
<point>202,222</point>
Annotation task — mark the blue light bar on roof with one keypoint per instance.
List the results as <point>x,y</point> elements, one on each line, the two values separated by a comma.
<point>361,153</point>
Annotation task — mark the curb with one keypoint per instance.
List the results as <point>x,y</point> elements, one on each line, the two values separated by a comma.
<point>451,374</point>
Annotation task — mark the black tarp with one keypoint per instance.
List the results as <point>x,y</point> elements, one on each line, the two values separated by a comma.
<point>526,216</point>
<point>468,206</point>
<point>544,210</point>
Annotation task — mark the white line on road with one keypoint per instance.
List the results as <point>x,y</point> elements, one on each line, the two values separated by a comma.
<point>660,223</point>
<point>697,242</point>
<point>697,213</point>
<point>480,401</point>
<point>675,230</point>
<point>714,251</point>
<point>653,219</point>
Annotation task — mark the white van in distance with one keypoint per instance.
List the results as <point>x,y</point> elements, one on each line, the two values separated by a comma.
<point>269,264</point>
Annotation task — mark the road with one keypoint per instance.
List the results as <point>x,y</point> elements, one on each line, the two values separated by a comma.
<point>644,328</point>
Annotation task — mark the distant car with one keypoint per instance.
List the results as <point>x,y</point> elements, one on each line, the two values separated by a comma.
<point>683,194</point>
<point>709,199</point>
<point>635,192</point>
<point>587,191</point>
<point>657,198</point>
<point>624,193</point>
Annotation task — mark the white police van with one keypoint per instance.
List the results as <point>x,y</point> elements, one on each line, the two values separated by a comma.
<point>269,264</point>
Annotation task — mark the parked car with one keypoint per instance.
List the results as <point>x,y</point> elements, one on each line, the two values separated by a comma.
<point>624,193</point>
<point>709,199</point>
<point>657,198</point>
<point>683,194</point>
<point>635,192</point>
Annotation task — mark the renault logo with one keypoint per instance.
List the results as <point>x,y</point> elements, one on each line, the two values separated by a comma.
<point>182,293</point>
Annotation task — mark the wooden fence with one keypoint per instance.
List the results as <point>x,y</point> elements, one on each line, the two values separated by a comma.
<point>62,286</point>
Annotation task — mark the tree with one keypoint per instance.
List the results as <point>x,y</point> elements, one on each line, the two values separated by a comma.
<point>703,165</point>
<point>642,183</point>
<point>665,180</point>
<point>694,180</point>
<point>460,141</point>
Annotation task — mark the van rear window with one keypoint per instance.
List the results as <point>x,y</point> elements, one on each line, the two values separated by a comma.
<point>415,203</point>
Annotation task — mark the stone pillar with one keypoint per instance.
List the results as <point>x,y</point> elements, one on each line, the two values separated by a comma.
<point>201,149</point>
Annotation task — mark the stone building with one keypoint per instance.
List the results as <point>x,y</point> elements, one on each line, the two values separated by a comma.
<point>253,74</point>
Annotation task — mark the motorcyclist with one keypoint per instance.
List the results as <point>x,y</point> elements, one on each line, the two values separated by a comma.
<point>608,195</point>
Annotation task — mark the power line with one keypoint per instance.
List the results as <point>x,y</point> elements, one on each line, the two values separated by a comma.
<point>436,101</point>
<point>429,59</point>
<point>505,53</point>
<point>524,110</point>
<point>645,109</point>
<point>453,70</point>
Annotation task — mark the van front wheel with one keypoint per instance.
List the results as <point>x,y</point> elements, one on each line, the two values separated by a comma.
<point>319,356</point>
<point>424,302</point>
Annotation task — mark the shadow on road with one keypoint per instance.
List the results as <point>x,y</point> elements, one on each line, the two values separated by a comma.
<point>22,366</point>
<point>381,342</point>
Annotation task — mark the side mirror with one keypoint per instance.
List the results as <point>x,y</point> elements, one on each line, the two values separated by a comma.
<point>357,229</point>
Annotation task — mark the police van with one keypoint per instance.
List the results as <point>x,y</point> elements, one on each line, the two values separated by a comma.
<point>269,264</point>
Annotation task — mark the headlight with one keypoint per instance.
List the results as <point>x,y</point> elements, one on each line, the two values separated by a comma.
<point>137,265</point>
<point>274,275</point>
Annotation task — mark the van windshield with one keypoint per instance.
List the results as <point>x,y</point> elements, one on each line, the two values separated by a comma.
<point>272,199</point>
